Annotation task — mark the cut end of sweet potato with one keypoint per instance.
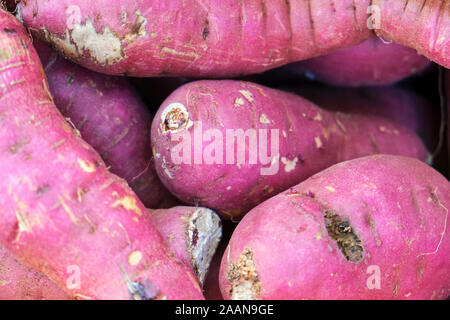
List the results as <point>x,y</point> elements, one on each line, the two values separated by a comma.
<point>243,277</point>
<point>203,236</point>
<point>175,118</point>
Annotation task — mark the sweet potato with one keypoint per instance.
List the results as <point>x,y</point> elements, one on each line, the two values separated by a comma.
<point>422,25</point>
<point>226,38</point>
<point>192,233</point>
<point>192,38</point>
<point>63,212</point>
<point>373,62</point>
<point>369,228</point>
<point>196,156</point>
<point>111,118</point>
<point>402,105</point>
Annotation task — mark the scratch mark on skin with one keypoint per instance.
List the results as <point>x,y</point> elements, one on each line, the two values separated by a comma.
<point>67,209</point>
<point>443,230</point>
<point>126,233</point>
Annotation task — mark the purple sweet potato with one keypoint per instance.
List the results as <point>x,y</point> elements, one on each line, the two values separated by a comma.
<point>192,233</point>
<point>422,25</point>
<point>194,140</point>
<point>369,228</point>
<point>228,37</point>
<point>111,118</point>
<point>398,104</point>
<point>192,38</point>
<point>373,62</point>
<point>62,210</point>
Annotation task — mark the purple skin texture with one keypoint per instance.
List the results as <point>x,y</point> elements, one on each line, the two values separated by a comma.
<point>190,38</point>
<point>110,116</point>
<point>310,140</point>
<point>179,226</point>
<point>290,247</point>
<point>370,63</point>
<point>219,38</point>
<point>61,206</point>
<point>398,104</point>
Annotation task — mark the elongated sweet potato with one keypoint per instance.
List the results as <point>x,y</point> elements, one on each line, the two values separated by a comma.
<point>228,145</point>
<point>63,212</point>
<point>192,38</point>
<point>225,38</point>
<point>422,25</point>
<point>369,228</point>
<point>111,118</point>
<point>372,62</point>
<point>404,106</point>
<point>192,233</point>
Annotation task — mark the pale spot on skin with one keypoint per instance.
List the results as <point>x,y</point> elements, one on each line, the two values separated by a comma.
<point>129,203</point>
<point>86,166</point>
<point>289,165</point>
<point>318,117</point>
<point>238,102</point>
<point>247,94</point>
<point>263,119</point>
<point>318,235</point>
<point>105,47</point>
<point>330,188</point>
<point>134,258</point>
<point>318,142</point>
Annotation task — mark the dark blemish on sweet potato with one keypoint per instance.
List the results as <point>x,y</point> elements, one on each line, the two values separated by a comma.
<point>10,31</point>
<point>70,79</point>
<point>373,228</point>
<point>42,189</point>
<point>205,32</point>
<point>194,237</point>
<point>144,290</point>
<point>341,231</point>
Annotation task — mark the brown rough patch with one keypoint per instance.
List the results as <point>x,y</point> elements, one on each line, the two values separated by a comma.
<point>244,275</point>
<point>341,231</point>
<point>373,228</point>
<point>421,265</point>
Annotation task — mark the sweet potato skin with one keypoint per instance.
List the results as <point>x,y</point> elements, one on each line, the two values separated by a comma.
<point>422,25</point>
<point>396,206</point>
<point>396,103</point>
<point>369,63</point>
<point>59,193</point>
<point>20,282</point>
<point>111,118</point>
<point>188,38</point>
<point>191,38</point>
<point>310,139</point>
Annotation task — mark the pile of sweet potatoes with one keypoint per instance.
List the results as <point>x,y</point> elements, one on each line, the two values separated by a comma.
<point>156,150</point>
